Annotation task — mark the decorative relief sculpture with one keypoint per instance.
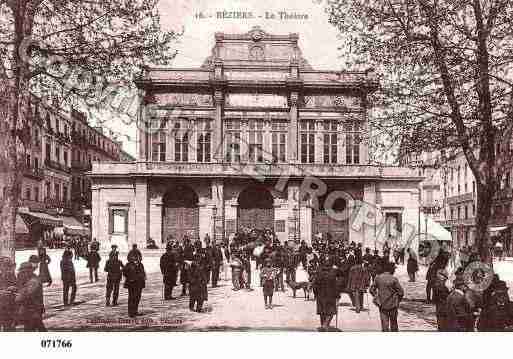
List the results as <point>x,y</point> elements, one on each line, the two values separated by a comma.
<point>256,53</point>
<point>339,101</point>
<point>183,99</point>
<point>256,75</point>
<point>255,100</point>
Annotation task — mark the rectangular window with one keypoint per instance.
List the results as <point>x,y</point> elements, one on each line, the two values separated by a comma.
<point>203,151</point>
<point>64,193</point>
<point>307,140</point>
<point>65,155</point>
<point>352,130</point>
<point>330,141</point>
<point>118,221</point>
<point>57,153</point>
<point>233,140</point>
<point>36,194</point>
<point>48,191</point>
<point>27,193</point>
<point>48,152</point>
<point>57,191</point>
<point>158,146</point>
<point>279,141</point>
<point>466,212</point>
<point>256,141</point>
<point>181,129</point>
<point>182,147</point>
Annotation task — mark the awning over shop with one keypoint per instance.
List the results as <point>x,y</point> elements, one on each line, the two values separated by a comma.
<point>73,227</point>
<point>21,226</point>
<point>41,218</point>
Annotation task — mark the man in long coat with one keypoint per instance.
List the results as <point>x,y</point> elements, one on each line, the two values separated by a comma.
<point>169,270</point>
<point>187,255</point>
<point>29,297</point>
<point>217,262</point>
<point>326,294</point>
<point>388,293</point>
<point>459,308</point>
<point>357,283</point>
<point>197,286</point>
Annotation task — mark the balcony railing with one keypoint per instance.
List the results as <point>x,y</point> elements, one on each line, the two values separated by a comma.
<point>460,198</point>
<point>34,173</point>
<point>33,205</point>
<point>57,166</point>
<point>505,193</point>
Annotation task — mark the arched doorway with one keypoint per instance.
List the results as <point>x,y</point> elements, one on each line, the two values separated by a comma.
<point>324,223</point>
<point>180,213</point>
<point>256,208</point>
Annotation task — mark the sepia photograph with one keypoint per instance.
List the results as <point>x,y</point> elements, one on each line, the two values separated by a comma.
<point>255,166</point>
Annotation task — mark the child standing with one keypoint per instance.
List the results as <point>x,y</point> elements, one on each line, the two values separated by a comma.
<point>268,277</point>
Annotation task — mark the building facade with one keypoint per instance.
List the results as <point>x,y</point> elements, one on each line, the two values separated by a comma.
<point>58,149</point>
<point>253,138</point>
<point>448,195</point>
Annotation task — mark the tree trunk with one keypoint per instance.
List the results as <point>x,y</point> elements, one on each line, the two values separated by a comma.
<point>10,178</point>
<point>485,195</point>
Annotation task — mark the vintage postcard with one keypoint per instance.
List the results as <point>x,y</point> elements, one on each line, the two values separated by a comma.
<point>312,166</point>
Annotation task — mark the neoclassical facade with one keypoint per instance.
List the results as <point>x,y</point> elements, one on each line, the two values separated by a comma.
<point>253,138</point>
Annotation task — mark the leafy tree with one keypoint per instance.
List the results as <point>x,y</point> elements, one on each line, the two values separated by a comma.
<point>445,70</point>
<point>74,49</point>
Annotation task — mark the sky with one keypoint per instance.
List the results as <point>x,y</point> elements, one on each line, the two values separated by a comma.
<point>318,39</point>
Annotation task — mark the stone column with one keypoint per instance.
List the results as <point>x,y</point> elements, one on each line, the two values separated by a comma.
<point>142,141</point>
<point>364,144</point>
<point>293,216</point>
<point>155,219</point>
<point>217,138</point>
<point>369,233</point>
<point>292,155</point>
<point>218,202</point>
<point>96,232</point>
<point>141,213</point>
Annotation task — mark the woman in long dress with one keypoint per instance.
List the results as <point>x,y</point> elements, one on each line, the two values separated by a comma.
<point>44,271</point>
<point>236,265</point>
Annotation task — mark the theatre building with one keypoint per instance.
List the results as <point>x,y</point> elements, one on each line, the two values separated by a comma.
<point>255,137</point>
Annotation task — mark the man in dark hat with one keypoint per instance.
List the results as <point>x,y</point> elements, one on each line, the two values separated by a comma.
<point>135,281</point>
<point>197,285</point>
<point>497,312</point>
<point>68,277</point>
<point>459,308</point>
<point>135,252</point>
<point>29,297</point>
<point>114,269</point>
<point>326,294</point>
<point>169,270</point>
<point>440,294</point>
<point>388,293</point>
<point>93,262</point>
<point>217,262</point>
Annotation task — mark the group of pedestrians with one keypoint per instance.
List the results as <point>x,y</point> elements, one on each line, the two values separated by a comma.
<point>466,306</point>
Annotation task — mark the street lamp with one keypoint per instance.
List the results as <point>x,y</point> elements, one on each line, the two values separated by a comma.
<point>214,214</point>
<point>295,210</point>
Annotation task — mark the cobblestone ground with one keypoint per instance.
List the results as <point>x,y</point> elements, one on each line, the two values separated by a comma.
<point>225,309</point>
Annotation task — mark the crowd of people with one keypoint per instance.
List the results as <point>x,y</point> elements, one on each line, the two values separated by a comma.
<point>333,268</point>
